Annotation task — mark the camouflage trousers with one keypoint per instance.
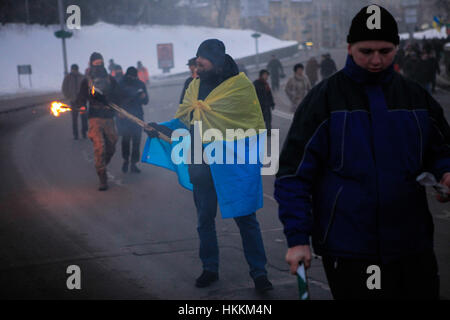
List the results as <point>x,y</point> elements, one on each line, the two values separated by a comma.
<point>102,132</point>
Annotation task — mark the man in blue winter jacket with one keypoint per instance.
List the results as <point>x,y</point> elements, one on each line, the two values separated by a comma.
<point>348,169</point>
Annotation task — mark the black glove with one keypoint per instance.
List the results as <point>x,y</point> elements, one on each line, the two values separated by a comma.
<point>99,96</point>
<point>163,129</point>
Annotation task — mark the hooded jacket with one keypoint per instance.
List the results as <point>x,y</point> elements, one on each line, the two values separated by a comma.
<point>348,168</point>
<point>71,85</point>
<point>199,172</point>
<point>131,90</point>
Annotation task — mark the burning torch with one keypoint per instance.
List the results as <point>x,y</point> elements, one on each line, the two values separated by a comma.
<point>58,107</point>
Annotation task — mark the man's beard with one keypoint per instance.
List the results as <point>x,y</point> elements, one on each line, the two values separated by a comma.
<point>208,74</point>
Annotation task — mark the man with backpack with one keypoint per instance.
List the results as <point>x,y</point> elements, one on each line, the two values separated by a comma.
<point>102,131</point>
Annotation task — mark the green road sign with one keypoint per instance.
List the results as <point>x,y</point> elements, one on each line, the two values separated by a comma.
<point>63,34</point>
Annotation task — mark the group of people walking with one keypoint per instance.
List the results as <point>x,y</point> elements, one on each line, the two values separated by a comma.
<point>347,171</point>
<point>98,121</point>
<point>297,86</point>
<point>420,62</point>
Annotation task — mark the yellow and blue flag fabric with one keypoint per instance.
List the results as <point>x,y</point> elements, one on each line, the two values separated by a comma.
<point>436,23</point>
<point>235,160</point>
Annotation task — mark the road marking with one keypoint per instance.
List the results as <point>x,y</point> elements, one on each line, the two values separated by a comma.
<point>269,197</point>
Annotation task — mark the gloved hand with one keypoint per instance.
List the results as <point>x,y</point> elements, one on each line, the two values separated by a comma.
<point>163,129</point>
<point>99,96</point>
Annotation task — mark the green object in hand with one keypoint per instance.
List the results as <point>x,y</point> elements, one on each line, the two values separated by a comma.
<point>302,283</point>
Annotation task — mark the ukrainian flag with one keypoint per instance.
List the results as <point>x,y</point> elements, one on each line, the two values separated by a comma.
<point>235,159</point>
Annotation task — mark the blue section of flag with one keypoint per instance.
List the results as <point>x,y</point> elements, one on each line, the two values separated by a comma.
<point>158,152</point>
<point>235,168</point>
<point>239,183</point>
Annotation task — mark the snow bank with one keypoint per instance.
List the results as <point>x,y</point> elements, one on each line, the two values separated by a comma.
<point>37,45</point>
<point>427,34</point>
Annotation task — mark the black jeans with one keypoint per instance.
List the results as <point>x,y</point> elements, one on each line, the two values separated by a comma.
<point>275,82</point>
<point>414,277</point>
<point>84,123</point>
<point>135,140</point>
<point>267,115</point>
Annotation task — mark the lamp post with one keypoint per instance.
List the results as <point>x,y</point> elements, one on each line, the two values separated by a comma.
<point>63,38</point>
<point>256,35</point>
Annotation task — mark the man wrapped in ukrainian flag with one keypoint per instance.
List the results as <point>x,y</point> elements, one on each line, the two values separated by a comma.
<point>228,170</point>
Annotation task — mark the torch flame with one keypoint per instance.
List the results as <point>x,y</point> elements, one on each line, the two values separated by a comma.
<point>93,90</point>
<point>59,107</point>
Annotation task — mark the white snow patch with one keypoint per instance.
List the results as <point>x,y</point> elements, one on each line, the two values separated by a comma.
<point>426,34</point>
<point>37,45</point>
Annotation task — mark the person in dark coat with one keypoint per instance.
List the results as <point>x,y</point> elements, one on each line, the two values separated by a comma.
<point>311,70</point>
<point>427,71</point>
<point>436,69</point>
<point>102,130</point>
<point>192,64</point>
<point>70,88</point>
<point>327,66</point>
<point>276,71</point>
<point>133,97</point>
<point>348,169</point>
<point>265,98</point>
<point>118,73</point>
<point>411,66</point>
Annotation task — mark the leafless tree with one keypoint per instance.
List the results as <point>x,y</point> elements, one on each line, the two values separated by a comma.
<point>222,7</point>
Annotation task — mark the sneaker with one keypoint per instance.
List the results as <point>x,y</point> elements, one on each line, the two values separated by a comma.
<point>125,167</point>
<point>262,284</point>
<point>134,169</point>
<point>206,279</point>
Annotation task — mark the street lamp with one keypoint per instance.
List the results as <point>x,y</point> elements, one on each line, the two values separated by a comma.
<point>256,35</point>
<point>63,34</point>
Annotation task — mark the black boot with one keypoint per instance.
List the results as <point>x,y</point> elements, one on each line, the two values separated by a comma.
<point>134,169</point>
<point>262,284</point>
<point>125,167</point>
<point>103,181</point>
<point>206,279</point>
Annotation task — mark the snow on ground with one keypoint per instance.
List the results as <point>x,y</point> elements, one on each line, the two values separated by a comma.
<point>426,34</point>
<point>37,45</point>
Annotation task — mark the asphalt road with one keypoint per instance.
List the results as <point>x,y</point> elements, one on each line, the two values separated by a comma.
<point>138,240</point>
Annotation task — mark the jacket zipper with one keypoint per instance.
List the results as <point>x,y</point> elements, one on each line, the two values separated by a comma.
<point>333,210</point>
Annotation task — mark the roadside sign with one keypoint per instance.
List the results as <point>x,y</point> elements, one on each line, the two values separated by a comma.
<point>24,69</point>
<point>165,56</point>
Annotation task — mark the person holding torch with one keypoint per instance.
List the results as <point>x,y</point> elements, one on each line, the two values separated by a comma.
<point>102,131</point>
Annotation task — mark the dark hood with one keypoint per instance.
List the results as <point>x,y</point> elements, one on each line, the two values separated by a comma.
<point>230,68</point>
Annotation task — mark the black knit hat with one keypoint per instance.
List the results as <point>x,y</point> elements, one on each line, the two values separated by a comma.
<point>95,56</point>
<point>213,50</point>
<point>192,62</point>
<point>365,26</point>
